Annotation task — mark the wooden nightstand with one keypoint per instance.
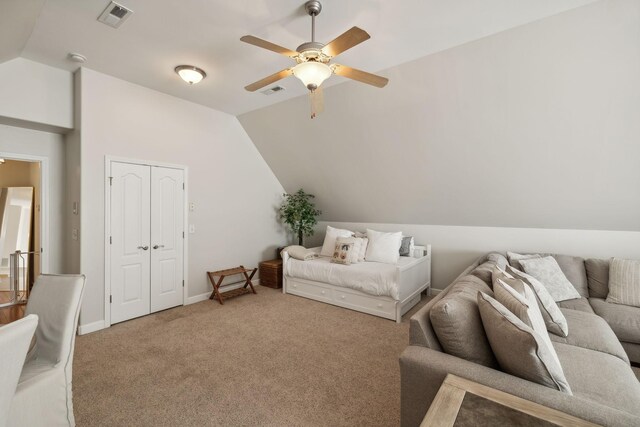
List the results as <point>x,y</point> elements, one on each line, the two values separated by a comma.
<point>271,273</point>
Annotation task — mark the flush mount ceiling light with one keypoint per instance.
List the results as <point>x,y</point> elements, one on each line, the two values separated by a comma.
<point>190,74</point>
<point>313,59</point>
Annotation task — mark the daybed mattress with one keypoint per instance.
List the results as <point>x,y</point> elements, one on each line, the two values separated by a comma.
<point>373,278</point>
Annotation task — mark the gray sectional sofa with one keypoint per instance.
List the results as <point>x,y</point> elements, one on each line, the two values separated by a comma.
<point>603,340</point>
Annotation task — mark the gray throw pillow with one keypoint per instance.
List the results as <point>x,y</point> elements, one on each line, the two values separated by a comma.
<point>514,258</point>
<point>405,246</point>
<point>520,299</point>
<point>457,324</point>
<point>549,273</point>
<point>624,282</point>
<point>520,350</point>
<point>551,313</point>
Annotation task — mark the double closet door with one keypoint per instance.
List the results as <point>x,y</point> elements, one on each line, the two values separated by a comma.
<point>147,239</point>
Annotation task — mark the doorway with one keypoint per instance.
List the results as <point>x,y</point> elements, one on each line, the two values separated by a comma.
<point>145,247</point>
<point>20,232</point>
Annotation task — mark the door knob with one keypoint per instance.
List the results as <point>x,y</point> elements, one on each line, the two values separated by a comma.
<point>144,248</point>
<point>158,246</point>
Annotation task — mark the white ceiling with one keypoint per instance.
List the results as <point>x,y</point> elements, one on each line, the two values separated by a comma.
<point>162,34</point>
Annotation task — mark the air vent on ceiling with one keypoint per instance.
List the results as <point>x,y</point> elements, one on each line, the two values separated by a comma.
<point>114,15</point>
<point>273,90</point>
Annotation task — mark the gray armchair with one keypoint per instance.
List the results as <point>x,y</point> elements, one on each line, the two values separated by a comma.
<point>43,396</point>
<point>14,344</point>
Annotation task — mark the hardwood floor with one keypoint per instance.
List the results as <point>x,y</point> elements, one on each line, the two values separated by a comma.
<point>10,314</point>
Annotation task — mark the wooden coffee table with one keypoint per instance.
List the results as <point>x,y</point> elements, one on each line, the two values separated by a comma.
<point>461,403</point>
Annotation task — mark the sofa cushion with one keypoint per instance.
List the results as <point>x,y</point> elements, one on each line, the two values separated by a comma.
<point>553,317</point>
<point>457,324</point>
<point>485,270</point>
<point>592,332</point>
<point>597,277</point>
<point>574,269</point>
<point>623,319</point>
<point>579,304</point>
<point>519,349</point>
<point>600,377</point>
<point>632,350</point>
<point>624,282</point>
<point>548,271</point>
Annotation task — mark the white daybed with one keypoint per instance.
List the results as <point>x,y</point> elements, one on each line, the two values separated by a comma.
<point>382,290</point>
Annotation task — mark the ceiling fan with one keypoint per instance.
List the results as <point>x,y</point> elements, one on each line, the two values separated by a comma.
<point>313,60</point>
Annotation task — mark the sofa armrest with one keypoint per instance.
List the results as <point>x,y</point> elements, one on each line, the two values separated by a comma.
<point>420,331</point>
<point>423,370</point>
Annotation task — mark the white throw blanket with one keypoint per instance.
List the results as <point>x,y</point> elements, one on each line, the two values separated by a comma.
<point>300,252</point>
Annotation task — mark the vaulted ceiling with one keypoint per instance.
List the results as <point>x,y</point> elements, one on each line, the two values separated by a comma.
<point>536,127</point>
<point>162,34</point>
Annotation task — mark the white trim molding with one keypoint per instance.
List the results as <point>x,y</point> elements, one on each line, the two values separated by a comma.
<point>91,327</point>
<point>45,180</point>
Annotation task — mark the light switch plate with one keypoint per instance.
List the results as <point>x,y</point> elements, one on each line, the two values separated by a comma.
<point>192,207</point>
<point>74,234</point>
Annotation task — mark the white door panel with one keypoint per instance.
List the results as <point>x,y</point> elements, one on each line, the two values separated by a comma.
<point>167,241</point>
<point>130,235</point>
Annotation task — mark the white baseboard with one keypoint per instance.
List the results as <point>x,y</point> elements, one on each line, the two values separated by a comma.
<point>197,298</point>
<point>91,327</point>
<point>434,292</point>
<point>96,326</point>
<point>205,296</point>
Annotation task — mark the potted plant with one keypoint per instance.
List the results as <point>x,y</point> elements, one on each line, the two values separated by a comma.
<point>299,213</point>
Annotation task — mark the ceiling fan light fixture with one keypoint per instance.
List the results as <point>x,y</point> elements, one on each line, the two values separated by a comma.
<point>190,74</point>
<point>312,73</point>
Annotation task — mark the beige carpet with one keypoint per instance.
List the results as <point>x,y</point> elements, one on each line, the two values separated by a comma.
<point>267,359</point>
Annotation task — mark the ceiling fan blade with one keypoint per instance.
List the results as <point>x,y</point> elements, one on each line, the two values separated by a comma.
<point>359,75</point>
<point>345,41</point>
<point>317,102</point>
<point>270,79</point>
<point>269,46</point>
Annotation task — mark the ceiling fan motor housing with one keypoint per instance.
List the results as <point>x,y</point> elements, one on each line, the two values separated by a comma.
<point>313,7</point>
<point>310,46</point>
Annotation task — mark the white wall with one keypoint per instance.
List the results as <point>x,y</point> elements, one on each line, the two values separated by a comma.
<point>235,193</point>
<point>14,140</point>
<point>73,184</point>
<point>455,247</point>
<point>537,126</point>
<point>35,94</point>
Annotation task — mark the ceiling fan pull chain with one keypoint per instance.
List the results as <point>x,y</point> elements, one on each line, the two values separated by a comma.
<point>316,98</point>
<point>313,107</point>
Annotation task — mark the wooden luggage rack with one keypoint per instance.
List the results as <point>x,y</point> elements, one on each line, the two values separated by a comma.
<point>247,288</point>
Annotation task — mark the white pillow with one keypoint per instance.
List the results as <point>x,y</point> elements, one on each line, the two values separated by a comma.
<point>330,237</point>
<point>355,251</point>
<point>363,248</point>
<point>383,247</point>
